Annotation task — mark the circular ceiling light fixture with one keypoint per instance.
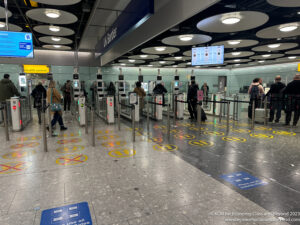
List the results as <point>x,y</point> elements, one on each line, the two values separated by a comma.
<point>292,57</point>
<point>237,60</point>
<point>186,37</point>
<point>266,56</point>
<point>231,18</point>
<point>162,62</point>
<point>2,24</point>
<point>56,39</point>
<point>123,64</point>
<point>54,28</point>
<point>261,61</point>
<point>189,63</point>
<point>236,53</point>
<point>160,49</point>
<point>237,64</point>
<point>143,56</point>
<point>131,60</point>
<point>150,65</point>
<point>234,42</point>
<point>288,28</point>
<point>56,46</point>
<point>52,13</point>
<point>274,45</point>
<point>178,57</point>
<point>175,66</point>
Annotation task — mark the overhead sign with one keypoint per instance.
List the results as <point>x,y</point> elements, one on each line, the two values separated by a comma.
<point>211,55</point>
<point>36,69</point>
<point>75,214</point>
<point>299,67</point>
<point>134,15</point>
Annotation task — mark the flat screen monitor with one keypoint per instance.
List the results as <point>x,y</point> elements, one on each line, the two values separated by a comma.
<point>99,84</point>
<point>22,81</point>
<point>121,85</point>
<point>193,78</point>
<point>99,77</point>
<point>159,77</point>
<point>212,55</point>
<point>176,84</point>
<point>16,44</point>
<point>75,76</point>
<point>176,78</point>
<point>121,77</point>
<point>76,84</point>
<point>145,86</point>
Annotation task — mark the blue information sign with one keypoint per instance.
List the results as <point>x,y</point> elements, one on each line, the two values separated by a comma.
<point>75,214</point>
<point>16,44</point>
<point>135,14</point>
<point>243,180</point>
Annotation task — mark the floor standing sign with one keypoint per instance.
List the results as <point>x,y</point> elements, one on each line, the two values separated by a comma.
<point>75,214</point>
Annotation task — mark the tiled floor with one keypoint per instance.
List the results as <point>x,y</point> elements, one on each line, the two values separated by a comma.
<point>145,182</point>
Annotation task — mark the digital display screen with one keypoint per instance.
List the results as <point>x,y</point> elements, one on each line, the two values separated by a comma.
<point>121,84</point>
<point>16,44</point>
<point>22,81</point>
<point>159,78</point>
<point>99,84</point>
<point>176,78</point>
<point>212,55</point>
<point>176,84</point>
<point>75,76</point>
<point>99,77</point>
<point>121,77</point>
<point>145,86</point>
<point>76,84</point>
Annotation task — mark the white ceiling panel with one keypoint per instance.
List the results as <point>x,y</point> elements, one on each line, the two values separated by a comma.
<point>104,18</point>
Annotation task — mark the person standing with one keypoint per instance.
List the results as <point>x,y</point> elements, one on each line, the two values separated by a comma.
<point>93,90</point>
<point>111,89</point>
<point>54,99</point>
<point>192,99</point>
<point>141,94</point>
<point>66,90</point>
<point>160,89</point>
<point>7,89</point>
<point>205,89</point>
<point>256,92</point>
<point>292,91</point>
<point>276,103</point>
<point>39,95</point>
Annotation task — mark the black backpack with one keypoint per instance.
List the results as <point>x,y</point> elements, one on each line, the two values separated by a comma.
<point>254,93</point>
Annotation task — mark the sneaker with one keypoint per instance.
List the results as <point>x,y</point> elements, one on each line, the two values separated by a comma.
<point>63,128</point>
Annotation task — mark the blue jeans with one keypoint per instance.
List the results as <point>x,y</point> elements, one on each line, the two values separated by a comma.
<point>57,117</point>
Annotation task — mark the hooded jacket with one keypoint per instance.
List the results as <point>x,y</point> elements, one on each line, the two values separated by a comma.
<point>7,90</point>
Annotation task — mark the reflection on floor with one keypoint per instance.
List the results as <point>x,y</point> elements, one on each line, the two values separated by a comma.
<point>203,175</point>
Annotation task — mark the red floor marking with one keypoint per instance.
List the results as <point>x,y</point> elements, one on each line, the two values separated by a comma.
<point>11,167</point>
<point>71,160</point>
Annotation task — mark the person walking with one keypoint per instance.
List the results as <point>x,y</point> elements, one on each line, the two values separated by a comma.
<point>276,99</point>
<point>54,99</point>
<point>292,92</point>
<point>7,89</point>
<point>256,92</point>
<point>66,90</point>
<point>39,95</point>
<point>192,99</point>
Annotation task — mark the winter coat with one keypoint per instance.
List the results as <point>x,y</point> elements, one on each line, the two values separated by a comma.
<point>38,91</point>
<point>56,97</point>
<point>7,90</point>
<point>159,89</point>
<point>192,92</point>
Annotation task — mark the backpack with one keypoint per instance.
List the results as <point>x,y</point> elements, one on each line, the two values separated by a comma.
<point>254,94</point>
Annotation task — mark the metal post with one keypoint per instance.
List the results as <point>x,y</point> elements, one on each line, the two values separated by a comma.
<point>5,122</point>
<point>234,108</point>
<point>253,114</point>
<point>49,121</point>
<point>148,119</point>
<point>168,122</point>
<point>93,126</point>
<point>220,115</point>
<point>86,120</point>
<point>119,115</point>
<point>237,108</point>
<point>44,131</point>
<point>175,109</point>
<point>266,112</point>
<point>133,123</point>
<point>228,114</point>
<point>214,105</point>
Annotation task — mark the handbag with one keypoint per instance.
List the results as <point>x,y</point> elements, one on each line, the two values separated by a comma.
<point>55,107</point>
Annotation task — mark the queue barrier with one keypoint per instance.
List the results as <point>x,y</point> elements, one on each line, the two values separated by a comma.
<point>5,121</point>
<point>132,107</point>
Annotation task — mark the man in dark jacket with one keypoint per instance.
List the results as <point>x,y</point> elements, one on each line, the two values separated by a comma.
<point>276,99</point>
<point>67,90</point>
<point>7,89</point>
<point>160,89</point>
<point>192,99</point>
<point>292,92</point>
<point>39,94</point>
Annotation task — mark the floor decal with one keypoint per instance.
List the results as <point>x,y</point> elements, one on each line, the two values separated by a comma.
<point>234,139</point>
<point>262,136</point>
<point>68,149</point>
<point>201,143</point>
<point>156,139</point>
<point>13,167</point>
<point>184,136</point>
<point>25,145</point>
<point>242,131</point>
<point>214,133</point>
<point>285,133</point>
<point>107,137</point>
<point>31,138</point>
<point>69,141</point>
<point>122,153</point>
<point>71,159</point>
<point>18,154</point>
<point>198,128</point>
<point>69,135</point>
<point>114,144</point>
<point>165,148</point>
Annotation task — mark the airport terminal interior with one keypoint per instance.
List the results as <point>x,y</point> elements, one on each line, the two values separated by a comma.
<point>149,112</point>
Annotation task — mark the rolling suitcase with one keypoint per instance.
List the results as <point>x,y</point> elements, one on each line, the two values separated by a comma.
<point>260,115</point>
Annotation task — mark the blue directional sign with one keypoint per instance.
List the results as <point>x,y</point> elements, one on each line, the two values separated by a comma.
<point>243,180</point>
<point>75,214</point>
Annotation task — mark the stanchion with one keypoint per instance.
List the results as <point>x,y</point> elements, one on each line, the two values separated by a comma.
<point>168,125</point>
<point>237,108</point>
<point>175,110</point>
<point>119,116</point>
<point>234,108</point>
<point>199,116</point>
<point>220,115</point>
<point>45,146</point>
<point>86,120</point>
<point>266,112</point>
<point>228,115</point>
<point>253,115</point>
<point>49,121</point>
<point>148,117</point>
<point>5,122</point>
<point>133,123</point>
<point>93,126</point>
<point>214,105</point>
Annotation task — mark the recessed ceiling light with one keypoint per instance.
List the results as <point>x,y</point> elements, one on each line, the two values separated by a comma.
<point>178,57</point>
<point>123,64</point>
<point>2,24</point>
<point>274,45</point>
<point>55,38</point>
<point>131,60</point>
<point>266,56</point>
<point>54,28</point>
<point>143,56</point>
<point>160,49</point>
<point>237,60</point>
<point>261,61</point>
<point>52,13</point>
<point>288,28</point>
<point>56,46</point>
<point>162,62</point>
<point>231,20</point>
<point>236,53</point>
<point>299,13</point>
<point>186,37</point>
<point>150,65</point>
<point>292,57</point>
<point>189,63</point>
<point>234,42</point>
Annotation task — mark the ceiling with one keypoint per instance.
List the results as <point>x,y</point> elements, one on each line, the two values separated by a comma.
<point>258,27</point>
